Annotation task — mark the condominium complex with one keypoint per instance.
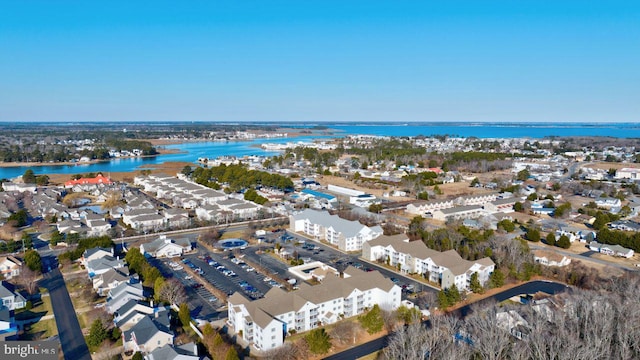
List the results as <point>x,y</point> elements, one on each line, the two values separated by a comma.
<point>445,268</point>
<point>266,322</point>
<point>346,235</point>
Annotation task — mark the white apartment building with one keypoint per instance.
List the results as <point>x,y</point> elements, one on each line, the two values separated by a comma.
<point>266,322</point>
<point>346,235</point>
<point>445,268</point>
<point>459,213</point>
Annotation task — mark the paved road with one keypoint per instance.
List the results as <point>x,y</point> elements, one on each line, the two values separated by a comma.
<point>73,345</point>
<point>586,256</point>
<point>548,287</point>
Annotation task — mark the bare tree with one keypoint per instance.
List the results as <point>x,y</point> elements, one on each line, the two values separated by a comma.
<point>345,332</point>
<point>287,351</point>
<point>173,292</point>
<point>27,280</point>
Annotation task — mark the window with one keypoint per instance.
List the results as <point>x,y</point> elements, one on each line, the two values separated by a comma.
<point>273,337</point>
<point>273,329</point>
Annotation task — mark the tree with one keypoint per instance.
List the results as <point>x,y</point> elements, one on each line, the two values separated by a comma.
<point>423,195</point>
<point>173,292</point>
<point>523,175</point>
<point>496,279</point>
<point>319,341</point>
<point>475,182</point>
<point>601,221</point>
<point>375,208</point>
<point>157,288</point>
<point>20,217</point>
<point>564,242</point>
<point>344,332</point>
<point>532,197</point>
<point>42,180</point>
<point>372,321</point>
<point>507,225</point>
<point>184,315</point>
<point>232,354</point>
<point>29,177</point>
<point>186,170</point>
<point>533,235</point>
<point>56,237</point>
<point>32,260</point>
<point>551,239</point>
<point>518,206</point>
<point>137,356</point>
<point>475,285</point>
<point>97,333</point>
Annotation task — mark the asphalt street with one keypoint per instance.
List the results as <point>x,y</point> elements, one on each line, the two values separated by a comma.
<point>532,287</point>
<point>73,345</point>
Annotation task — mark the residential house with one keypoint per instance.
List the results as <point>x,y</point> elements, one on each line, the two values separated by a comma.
<point>346,235</point>
<point>445,268</point>
<point>122,293</point>
<point>428,207</point>
<point>459,213</point>
<point>149,334</point>
<point>176,217</point>
<point>102,265</point>
<point>10,298</point>
<point>182,352</point>
<point>608,202</point>
<point>94,181</point>
<point>504,205</point>
<point>8,326</point>
<point>95,253</point>
<point>613,250</point>
<point>129,309</point>
<point>266,322</point>
<point>110,279</point>
<point>550,258</point>
<point>10,266</point>
<point>164,247</point>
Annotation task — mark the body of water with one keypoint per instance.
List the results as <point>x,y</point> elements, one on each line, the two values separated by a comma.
<point>190,152</point>
<point>493,130</point>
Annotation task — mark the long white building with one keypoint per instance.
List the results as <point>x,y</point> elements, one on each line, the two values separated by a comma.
<point>445,268</point>
<point>266,322</point>
<point>346,235</point>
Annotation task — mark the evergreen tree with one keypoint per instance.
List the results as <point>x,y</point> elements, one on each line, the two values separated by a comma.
<point>319,341</point>
<point>475,285</point>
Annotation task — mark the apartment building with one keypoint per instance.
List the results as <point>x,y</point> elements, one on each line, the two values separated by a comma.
<point>445,268</point>
<point>266,322</point>
<point>346,235</point>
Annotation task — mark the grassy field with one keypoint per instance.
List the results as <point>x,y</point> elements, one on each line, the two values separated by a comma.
<point>41,330</point>
<point>40,308</point>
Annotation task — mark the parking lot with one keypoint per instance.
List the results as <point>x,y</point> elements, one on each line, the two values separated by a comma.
<point>317,251</point>
<point>202,303</point>
<point>229,273</point>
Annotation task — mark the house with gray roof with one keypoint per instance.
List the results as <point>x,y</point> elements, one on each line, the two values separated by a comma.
<point>102,265</point>
<point>181,352</point>
<point>266,322</point>
<point>346,235</point>
<point>165,247</point>
<point>613,250</point>
<point>445,268</point>
<point>122,293</point>
<point>150,333</point>
<point>10,298</point>
<point>110,279</point>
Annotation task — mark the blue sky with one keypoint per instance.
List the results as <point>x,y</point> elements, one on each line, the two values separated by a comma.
<point>326,60</point>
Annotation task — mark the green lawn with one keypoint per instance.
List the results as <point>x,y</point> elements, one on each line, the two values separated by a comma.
<point>40,308</point>
<point>41,330</point>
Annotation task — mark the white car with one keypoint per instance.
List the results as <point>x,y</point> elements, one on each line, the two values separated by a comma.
<point>249,269</point>
<point>267,279</point>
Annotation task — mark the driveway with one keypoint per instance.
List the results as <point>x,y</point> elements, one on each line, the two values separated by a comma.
<point>73,345</point>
